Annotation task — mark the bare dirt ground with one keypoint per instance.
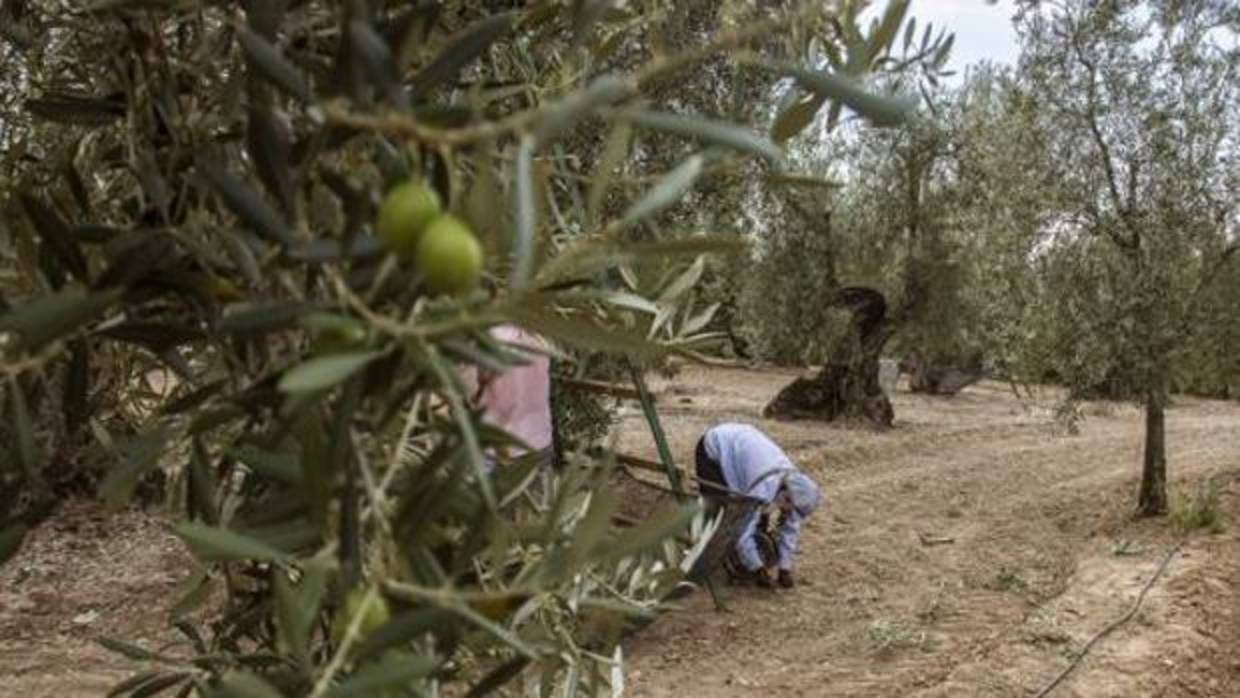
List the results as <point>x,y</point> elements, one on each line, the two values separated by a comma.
<point>82,575</point>
<point>1043,556</point>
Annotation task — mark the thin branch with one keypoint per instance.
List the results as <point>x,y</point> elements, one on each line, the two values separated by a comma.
<point>338,112</point>
<point>1108,164</point>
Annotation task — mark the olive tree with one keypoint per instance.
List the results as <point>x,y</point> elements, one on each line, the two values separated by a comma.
<point>200,283</point>
<point>1138,106</point>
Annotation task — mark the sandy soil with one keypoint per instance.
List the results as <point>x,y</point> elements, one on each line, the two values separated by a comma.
<point>81,576</point>
<point>1043,555</point>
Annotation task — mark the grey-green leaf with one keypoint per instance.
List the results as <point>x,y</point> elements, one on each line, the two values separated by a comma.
<point>11,538</point>
<point>269,143</point>
<point>324,372</point>
<point>263,319</point>
<point>53,230</point>
<point>130,650</point>
<point>707,131</point>
<point>74,109</point>
<point>210,544</point>
<point>394,670</point>
<point>136,457</point>
<point>281,467</point>
<point>880,39</point>
<point>590,256</point>
<point>242,684</point>
<point>651,532</point>
<point>379,63</point>
<point>272,65</point>
<point>603,91</point>
<point>403,628</point>
<point>583,332</point>
<point>525,214</point>
<point>796,118</point>
<point>669,190</point>
<point>297,607</point>
<point>244,201</point>
<point>684,282</point>
<point>22,429</point>
<point>471,44</point>
<point>612,159</point>
<point>880,110</point>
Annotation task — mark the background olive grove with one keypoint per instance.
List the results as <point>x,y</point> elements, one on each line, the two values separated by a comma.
<point>1070,221</point>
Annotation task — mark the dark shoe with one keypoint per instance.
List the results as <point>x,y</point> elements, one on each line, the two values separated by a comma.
<point>785,579</point>
<point>762,579</point>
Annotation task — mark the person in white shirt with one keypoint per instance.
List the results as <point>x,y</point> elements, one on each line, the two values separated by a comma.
<point>738,459</point>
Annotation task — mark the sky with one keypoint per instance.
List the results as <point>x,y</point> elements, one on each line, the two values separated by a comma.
<point>983,31</point>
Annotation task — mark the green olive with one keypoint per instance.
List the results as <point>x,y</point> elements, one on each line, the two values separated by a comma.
<point>449,257</point>
<point>403,216</point>
<point>377,614</point>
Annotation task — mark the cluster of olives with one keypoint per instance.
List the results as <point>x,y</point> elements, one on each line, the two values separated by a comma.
<point>444,250</point>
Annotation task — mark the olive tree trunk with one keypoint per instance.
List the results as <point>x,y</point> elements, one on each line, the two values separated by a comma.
<point>848,385</point>
<point>1152,499</point>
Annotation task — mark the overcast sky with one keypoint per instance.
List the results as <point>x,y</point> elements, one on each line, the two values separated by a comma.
<point>983,31</point>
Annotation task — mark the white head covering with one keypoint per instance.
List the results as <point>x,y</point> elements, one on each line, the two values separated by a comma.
<point>803,492</point>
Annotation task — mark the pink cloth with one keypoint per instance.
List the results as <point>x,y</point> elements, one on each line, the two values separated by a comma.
<point>519,399</point>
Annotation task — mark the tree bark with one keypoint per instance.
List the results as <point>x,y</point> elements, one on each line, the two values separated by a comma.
<point>848,385</point>
<point>939,379</point>
<point>1152,499</point>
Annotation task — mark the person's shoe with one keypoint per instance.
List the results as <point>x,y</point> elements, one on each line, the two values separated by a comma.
<point>762,579</point>
<point>681,590</point>
<point>786,580</point>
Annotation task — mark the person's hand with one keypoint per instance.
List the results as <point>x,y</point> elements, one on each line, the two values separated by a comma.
<point>785,579</point>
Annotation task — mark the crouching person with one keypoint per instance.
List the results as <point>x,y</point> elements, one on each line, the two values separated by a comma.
<point>738,459</point>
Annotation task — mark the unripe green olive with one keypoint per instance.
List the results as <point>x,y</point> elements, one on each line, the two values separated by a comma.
<point>403,216</point>
<point>377,614</point>
<point>449,257</point>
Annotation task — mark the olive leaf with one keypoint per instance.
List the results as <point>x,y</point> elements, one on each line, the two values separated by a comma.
<point>879,109</point>
<point>11,537</point>
<point>378,61</point>
<point>325,372</point>
<point>48,318</point>
<point>669,190</point>
<point>211,544</point>
<point>471,44</point>
<point>55,233</point>
<point>796,117</point>
<point>267,61</point>
<point>245,202</point>
<point>136,456</point>
<point>707,131</point>
<point>243,684</point>
<point>76,109</point>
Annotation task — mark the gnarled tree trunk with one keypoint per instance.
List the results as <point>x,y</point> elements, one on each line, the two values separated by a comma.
<point>938,378</point>
<point>848,385</point>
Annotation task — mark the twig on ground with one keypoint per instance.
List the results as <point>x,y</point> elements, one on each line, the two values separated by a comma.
<point>927,539</point>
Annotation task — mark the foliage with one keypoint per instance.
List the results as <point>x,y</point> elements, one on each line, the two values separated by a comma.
<point>1199,510</point>
<point>190,189</point>
<point>1140,103</point>
<point>813,237</point>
